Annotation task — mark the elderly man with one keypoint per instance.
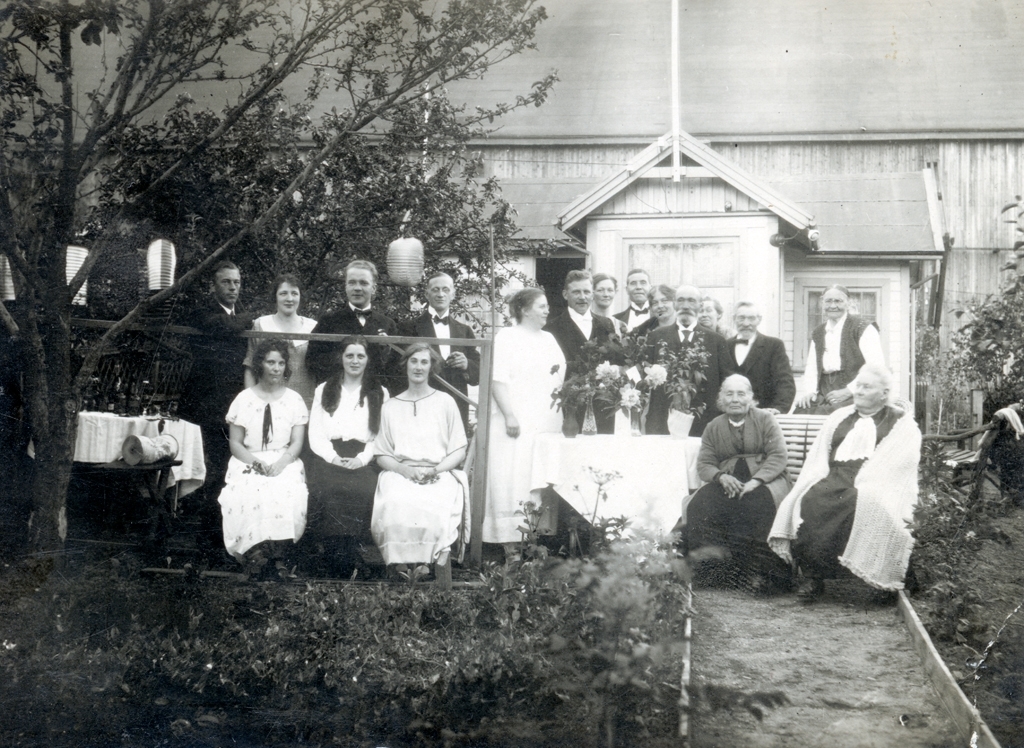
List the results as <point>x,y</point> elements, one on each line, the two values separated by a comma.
<point>742,461</point>
<point>216,376</point>
<point>686,332</point>
<point>357,317</point>
<point>461,363</point>
<point>576,326</point>
<point>848,511</point>
<point>762,360</point>
<point>638,286</point>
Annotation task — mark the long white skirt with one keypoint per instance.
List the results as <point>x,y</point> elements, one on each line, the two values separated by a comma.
<point>414,523</point>
<point>257,508</point>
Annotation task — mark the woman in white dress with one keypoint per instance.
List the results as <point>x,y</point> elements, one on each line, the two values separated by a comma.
<point>287,295</point>
<point>421,506</point>
<point>528,366</point>
<point>340,469</point>
<point>264,497</point>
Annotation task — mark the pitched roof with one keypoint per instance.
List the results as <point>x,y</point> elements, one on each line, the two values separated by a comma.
<point>892,214</point>
<point>768,67</point>
<point>571,217</point>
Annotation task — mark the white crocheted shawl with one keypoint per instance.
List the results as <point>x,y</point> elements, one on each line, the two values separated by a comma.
<point>878,550</point>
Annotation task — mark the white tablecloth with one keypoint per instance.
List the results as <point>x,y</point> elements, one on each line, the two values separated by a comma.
<point>658,473</point>
<point>100,436</point>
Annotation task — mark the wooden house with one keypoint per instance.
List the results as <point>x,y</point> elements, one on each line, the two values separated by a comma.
<point>879,125</point>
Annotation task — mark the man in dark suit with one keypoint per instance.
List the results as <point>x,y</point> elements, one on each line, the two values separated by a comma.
<point>762,360</point>
<point>576,326</point>
<point>685,332</point>
<point>461,366</point>
<point>356,317</point>
<point>638,286</point>
<point>216,377</point>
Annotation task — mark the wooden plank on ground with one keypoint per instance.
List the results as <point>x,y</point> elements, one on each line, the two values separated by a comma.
<point>964,714</point>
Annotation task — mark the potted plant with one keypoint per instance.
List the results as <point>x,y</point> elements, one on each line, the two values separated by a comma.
<point>684,373</point>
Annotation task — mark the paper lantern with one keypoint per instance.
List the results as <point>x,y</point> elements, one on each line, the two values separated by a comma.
<point>405,261</point>
<point>76,257</point>
<point>6,280</point>
<point>160,264</point>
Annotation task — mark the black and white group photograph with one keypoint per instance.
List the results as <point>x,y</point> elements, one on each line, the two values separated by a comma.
<point>511,373</point>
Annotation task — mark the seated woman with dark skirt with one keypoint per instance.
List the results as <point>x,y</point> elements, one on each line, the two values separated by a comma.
<point>849,509</point>
<point>742,461</point>
<point>340,473</point>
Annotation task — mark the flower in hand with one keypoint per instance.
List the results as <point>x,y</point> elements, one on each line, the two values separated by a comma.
<point>256,467</point>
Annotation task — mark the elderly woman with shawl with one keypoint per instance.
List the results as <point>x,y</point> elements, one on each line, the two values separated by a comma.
<point>856,493</point>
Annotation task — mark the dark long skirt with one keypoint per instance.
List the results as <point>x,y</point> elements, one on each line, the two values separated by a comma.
<point>738,525</point>
<point>826,511</point>
<point>340,500</point>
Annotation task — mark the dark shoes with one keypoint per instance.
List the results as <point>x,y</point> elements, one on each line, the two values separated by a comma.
<point>810,589</point>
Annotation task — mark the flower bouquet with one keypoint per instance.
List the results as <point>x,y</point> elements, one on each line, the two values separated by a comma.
<point>683,375</point>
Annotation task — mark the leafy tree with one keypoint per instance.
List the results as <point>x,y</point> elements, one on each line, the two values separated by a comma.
<point>85,152</point>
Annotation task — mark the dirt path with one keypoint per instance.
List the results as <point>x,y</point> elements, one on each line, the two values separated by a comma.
<point>845,663</point>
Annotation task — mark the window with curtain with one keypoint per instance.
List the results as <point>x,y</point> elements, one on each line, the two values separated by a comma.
<point>705,264</point>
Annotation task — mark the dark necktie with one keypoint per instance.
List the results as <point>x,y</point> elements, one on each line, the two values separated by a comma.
<point>362,314</point>
<point>638,310</point>
<point>439,320</point>
<point>741,341</point>
<point>268,426</point>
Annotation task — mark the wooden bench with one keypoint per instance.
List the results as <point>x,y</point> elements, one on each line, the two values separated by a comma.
<point>800,432</point>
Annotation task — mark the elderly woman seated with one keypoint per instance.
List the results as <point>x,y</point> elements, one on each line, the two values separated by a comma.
<point>420,508</point>
<point>849,509</point>
<point>742,460</point>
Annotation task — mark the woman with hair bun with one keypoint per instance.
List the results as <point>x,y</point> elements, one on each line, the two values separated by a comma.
<point>528,367</point>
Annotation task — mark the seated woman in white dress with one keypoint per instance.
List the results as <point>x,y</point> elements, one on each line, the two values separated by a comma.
<point>264,497</point>
<point>420,508</point>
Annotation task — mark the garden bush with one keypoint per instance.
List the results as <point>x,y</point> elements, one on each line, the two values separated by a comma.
<point>543,652</point>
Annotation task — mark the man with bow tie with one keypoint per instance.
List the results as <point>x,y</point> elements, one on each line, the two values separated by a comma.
<point>762,360</point>
<point>638,286</point>
<point>687,332</point>
<point>461,364</point>
<point>578,325</point>
<point>356,317</point>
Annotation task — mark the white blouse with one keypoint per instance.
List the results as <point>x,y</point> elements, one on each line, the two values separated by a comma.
<point>349,421</point>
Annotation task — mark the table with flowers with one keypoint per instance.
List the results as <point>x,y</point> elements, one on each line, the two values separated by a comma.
<point>646,478</point>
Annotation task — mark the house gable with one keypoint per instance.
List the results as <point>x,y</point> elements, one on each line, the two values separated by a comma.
<point>708,183</point>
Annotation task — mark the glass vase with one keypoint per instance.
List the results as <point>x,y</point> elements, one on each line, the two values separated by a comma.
<point>635,429</point>
<point>589,426</point>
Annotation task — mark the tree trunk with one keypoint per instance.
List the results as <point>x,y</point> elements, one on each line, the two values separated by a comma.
<point>52,407</point>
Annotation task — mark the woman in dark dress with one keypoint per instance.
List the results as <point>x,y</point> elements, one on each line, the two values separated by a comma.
<point>742,461</point>
<point>848,511</point>
<point>341,476</point>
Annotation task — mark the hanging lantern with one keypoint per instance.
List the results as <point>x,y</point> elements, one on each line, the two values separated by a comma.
<point>6,280</point>
<point>160,264</point>
<point>405,261</point>
<point>76,257</point>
